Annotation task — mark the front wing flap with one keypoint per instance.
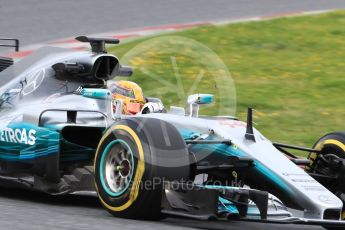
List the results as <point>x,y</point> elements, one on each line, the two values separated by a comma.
<point>202,202</point>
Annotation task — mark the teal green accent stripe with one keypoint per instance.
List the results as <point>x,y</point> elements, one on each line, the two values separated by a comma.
<point>96,93</point>
<point>230,150</point>
<point>30,156</point>
<point>102,166</point>
<point>46,143</point>
<point>226,205</point>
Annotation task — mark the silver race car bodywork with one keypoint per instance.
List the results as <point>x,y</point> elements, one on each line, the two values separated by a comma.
<point>270,164</point>
<point>55,108</point>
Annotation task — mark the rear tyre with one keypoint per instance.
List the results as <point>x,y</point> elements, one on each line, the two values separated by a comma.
<point>332,148</point>
<point>133,159</point>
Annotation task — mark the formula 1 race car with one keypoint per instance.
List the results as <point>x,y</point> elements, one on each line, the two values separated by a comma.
<point>60,134</point>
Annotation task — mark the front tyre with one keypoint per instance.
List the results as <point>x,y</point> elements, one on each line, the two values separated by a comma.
<point>133,158</point>
<point>328,163</point>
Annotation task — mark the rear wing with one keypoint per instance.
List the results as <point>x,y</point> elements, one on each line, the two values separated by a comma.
<point>10,42</point>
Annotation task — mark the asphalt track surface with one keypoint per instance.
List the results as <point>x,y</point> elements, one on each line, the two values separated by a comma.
<point>35,21</point>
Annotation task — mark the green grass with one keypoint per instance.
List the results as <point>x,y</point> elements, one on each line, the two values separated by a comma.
<point>291,70</point>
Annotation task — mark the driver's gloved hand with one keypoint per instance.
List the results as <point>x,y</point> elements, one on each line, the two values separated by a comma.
<point>152,107</point>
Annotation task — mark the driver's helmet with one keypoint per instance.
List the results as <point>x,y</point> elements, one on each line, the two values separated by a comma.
<point>131,95</point>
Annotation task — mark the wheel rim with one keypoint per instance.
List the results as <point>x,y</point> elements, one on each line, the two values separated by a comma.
<point>116,167</point>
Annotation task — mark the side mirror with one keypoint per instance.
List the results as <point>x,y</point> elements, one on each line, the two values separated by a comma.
<point>198,99</point>
<point>102,94</point>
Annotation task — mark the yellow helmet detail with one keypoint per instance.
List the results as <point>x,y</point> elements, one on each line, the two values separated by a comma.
<point>130,93</point>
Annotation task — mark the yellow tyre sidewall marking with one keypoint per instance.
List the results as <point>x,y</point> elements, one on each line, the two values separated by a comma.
<point>337,143</point>
<point>139,171</point>
<point>331,141</point>
<point>320,145</point>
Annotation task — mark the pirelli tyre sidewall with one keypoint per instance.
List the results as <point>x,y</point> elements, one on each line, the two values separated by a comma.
<point>332,143</point>
<point>145,140</point>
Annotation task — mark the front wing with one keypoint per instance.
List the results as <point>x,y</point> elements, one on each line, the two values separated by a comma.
<point>206,202</point>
